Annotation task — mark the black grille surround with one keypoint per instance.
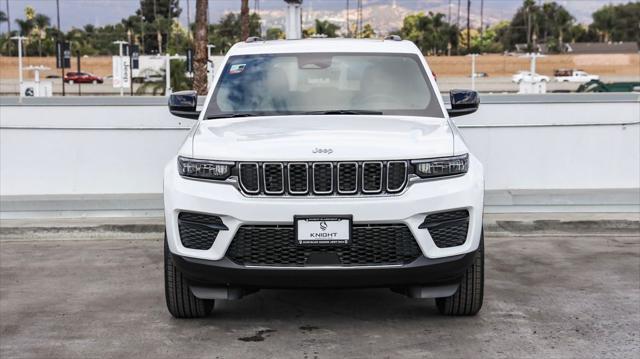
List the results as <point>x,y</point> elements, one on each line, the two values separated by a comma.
<point>199,231</point>
<point>323,178</point>
<point>447,229</point>
<point>371,245</point>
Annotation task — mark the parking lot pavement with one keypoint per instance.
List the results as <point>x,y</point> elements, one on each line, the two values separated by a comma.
<point>545,297</point>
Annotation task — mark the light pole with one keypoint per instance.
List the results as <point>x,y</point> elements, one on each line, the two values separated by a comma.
<point>473,71</point>
<point>121,63</point>
<point>210,65</point>
<point>19,38</point>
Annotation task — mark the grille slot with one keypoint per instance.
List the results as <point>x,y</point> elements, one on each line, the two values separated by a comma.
<point>323,178</point>
<point>298,178</point>
<point>199,231</point>
<point>372,177</point>
<point>371,245</point>
<point>348,178</point>
<point>448,229</point>
<point>249,177</point>
<point>396,175</point>
<point>273,178</point>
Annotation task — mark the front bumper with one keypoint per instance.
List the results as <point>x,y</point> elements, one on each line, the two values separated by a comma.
<point>410,207</point>
<point>421,272</point>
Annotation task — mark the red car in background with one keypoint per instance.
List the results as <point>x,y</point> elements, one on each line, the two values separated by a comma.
<point>82,78</point>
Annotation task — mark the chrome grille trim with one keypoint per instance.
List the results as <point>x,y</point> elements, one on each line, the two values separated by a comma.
<point>271,175</point>
<point>404,182</point>
<point>257,176</point>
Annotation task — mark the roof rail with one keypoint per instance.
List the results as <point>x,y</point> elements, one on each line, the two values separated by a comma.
<point>253,39</point>
<point>393,38</point>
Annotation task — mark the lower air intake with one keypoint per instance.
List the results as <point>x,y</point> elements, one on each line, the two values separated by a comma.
<point>199,231</point>
<point>448,229</point>
<point>371,245</point>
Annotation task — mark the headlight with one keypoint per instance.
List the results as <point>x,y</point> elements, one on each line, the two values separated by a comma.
<point>189,167</point>
<point>444,166</point>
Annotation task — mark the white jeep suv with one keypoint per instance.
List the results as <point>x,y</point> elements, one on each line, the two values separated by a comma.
<point>323,163</point>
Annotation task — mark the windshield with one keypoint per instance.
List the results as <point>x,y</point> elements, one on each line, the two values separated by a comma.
<point>319,83</point>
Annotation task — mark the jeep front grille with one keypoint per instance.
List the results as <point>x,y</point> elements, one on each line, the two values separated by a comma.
<point>323,178</point>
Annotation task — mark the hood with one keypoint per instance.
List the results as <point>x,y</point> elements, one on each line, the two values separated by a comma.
<point>322,137</point>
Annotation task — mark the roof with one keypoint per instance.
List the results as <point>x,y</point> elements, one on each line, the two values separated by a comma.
<point>324,45</point>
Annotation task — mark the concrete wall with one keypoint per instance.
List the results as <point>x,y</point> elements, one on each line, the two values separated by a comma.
<point>104,156</point>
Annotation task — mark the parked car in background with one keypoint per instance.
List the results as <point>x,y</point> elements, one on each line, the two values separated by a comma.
<point>580,76</point>
<point>149,75</point>
<point>480,74</point>
<point>528,76</point>
<point>599,86</point>
<point>82,78</point>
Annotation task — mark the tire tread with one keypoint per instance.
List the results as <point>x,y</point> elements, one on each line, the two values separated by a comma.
<point>468,298</point>
<point>181,303</point>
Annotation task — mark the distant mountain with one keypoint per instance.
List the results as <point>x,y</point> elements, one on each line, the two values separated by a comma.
<point>387,15</point>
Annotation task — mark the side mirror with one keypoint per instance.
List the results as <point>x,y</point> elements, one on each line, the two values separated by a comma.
<point>183,104</point>
<point>463,102</point>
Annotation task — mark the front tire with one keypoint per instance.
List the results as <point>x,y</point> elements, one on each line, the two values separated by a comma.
<point>181,303</point>
<point>467,301</point>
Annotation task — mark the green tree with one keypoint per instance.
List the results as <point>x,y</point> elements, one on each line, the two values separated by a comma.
<point>324,27</point>
<point>275,33</point>
<point>157,16</point>
<point>430,32</point>
<point>617,22</point>
<point>228,31</point>
<point>367,32</point>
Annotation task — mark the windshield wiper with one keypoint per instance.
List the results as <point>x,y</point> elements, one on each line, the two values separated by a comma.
<point>343,112</point>
<point>230,115</point>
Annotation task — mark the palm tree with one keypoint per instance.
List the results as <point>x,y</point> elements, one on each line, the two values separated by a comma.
<point>41,23</point>
<point>26,26</point>
<point>200,60</point>
<point>244,19</point>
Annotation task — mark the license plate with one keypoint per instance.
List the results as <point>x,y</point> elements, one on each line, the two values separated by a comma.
<point>321,230</point>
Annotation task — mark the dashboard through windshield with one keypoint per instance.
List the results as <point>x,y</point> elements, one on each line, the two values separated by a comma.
<point>324,83</point>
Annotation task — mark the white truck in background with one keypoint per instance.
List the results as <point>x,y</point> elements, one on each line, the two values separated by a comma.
<point>572,75</point>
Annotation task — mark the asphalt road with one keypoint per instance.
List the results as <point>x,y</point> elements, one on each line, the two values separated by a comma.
<point>546,297</point>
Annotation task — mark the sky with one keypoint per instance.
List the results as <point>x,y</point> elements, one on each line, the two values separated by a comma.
<point>77,13</point>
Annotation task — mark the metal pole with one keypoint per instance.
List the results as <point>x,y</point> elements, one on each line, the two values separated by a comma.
<point>481,18</point>
<point>78,63</point>
<point>122,71</point>
<point>473,71</point>
<point>20,62</point>
<point>8,20</point>
<point>19,38</point>
<point>61,39</point>
<point>167,90</point>
<point>468,25</point>
<point>348,28</point>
